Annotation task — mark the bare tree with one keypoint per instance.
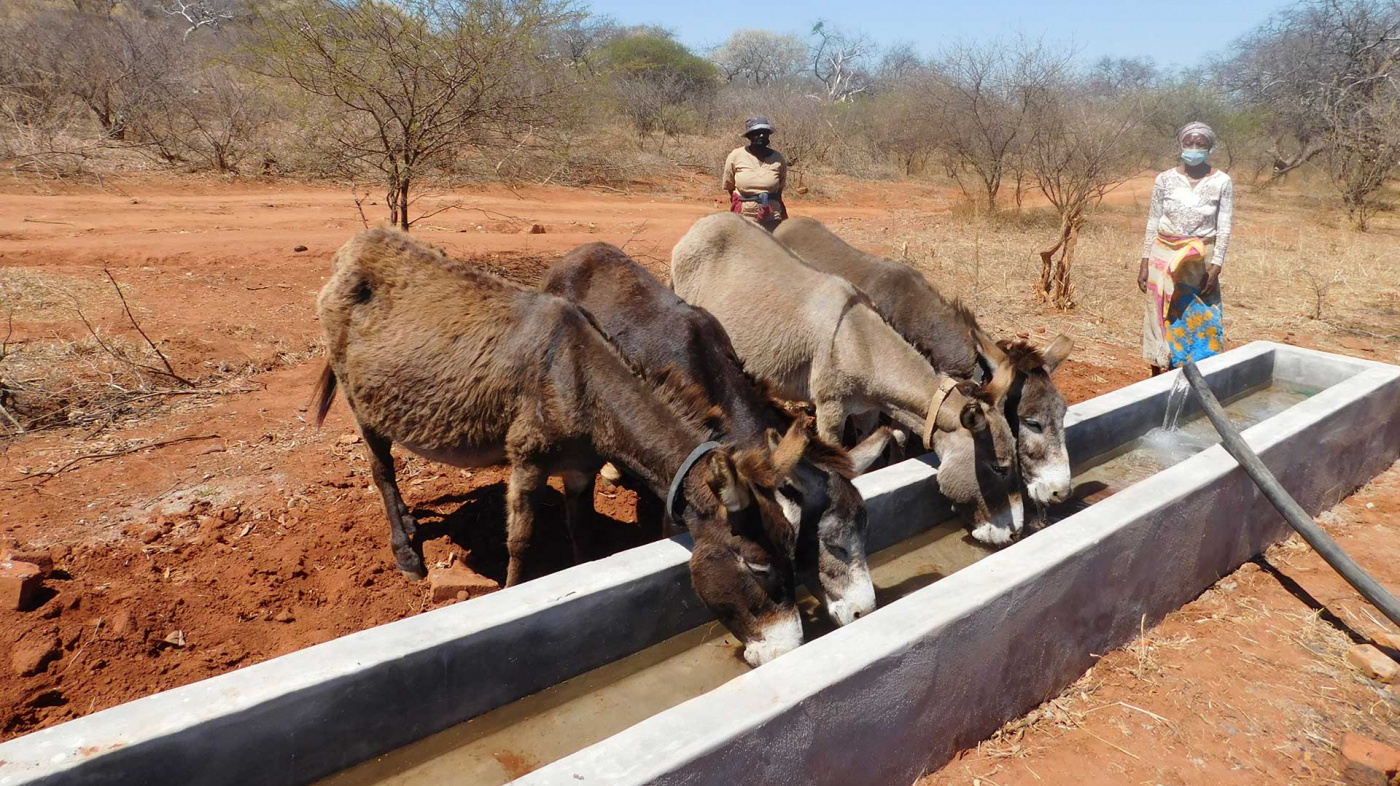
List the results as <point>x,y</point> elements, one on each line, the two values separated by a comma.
<point>659,84</point>
<point>983,97</point>
<point>898,127</point>
<point>655,105</point>
<point>212,117</point>
<point>417,80</point>
<point>1081,150</point>
<point>760,57</point>
<point>1315,69</point>
<point>198,14</point>
<point>1111,77</point>
<point>1362,153</point>
<point>109,64</point>
<point>578,40</point>
<point>840,62</point>
<point>898,65</point>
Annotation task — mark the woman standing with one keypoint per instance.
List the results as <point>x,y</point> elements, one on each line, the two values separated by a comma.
<point>1188,230</point>
<point>754,176</point>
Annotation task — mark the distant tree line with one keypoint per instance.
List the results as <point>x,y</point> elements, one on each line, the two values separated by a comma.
<point>413,95</point>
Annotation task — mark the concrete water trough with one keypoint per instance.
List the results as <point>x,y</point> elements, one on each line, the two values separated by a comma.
<point>612,673</point>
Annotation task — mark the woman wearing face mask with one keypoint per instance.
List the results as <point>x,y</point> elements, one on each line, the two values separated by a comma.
<point>754,176</point>
<point>1188,230</point>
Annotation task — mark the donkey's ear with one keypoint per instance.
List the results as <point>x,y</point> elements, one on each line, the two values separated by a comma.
<point>871,448</point>
<point>972,417</point>
<point>1000,383</point>
<point>786,450</point>
<point>989,349</point>
<point>724,483</point>
<point>1056,353</point>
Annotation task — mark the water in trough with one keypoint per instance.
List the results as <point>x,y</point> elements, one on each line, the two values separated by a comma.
<point>519,737</point>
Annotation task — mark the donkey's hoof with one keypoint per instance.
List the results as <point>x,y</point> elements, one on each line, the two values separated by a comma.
<point>413,568</point>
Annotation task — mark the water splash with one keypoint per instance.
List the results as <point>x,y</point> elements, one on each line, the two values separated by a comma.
<point>1176,402</point>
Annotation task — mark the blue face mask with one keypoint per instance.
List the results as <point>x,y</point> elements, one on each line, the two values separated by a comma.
<point>1194,156</point>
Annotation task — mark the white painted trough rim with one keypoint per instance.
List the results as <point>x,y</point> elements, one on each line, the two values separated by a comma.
<point>707,722</point>
<point>52,749</point>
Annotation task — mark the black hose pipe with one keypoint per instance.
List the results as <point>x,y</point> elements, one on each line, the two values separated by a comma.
<point>1369,588</point>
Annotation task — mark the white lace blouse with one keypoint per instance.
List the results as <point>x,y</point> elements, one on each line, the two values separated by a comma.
<point>1203,210</point>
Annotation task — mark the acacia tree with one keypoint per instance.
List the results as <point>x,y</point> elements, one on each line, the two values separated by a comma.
<point>1082,149</point>
<point>657,81</point>
<point>415,81</point>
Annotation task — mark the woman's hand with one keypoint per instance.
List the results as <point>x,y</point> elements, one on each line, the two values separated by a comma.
<point>1142,275</point>
<point>1212,280</point>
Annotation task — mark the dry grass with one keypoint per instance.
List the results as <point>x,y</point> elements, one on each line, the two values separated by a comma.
<point>1288,254</point>
<point>33,296</point>
<point>66,380</point>
<point>59,383</point>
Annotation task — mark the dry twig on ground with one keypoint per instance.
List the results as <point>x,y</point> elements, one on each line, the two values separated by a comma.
<point>169,370</point>
<point>47,475</point>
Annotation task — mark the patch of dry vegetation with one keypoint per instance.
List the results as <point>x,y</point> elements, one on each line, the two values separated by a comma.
<point>84,381</point>
<point>1291,271</point>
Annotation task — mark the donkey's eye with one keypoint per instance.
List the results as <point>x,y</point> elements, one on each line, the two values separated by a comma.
<point>1033,425</point>
<point>838,552</point>
<point>1002,469</point>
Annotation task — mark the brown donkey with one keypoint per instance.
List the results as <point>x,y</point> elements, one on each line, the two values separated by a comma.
<point>658,332</point>
<point>466,368</point>
<point>948,336</point>
<point>815,337</point>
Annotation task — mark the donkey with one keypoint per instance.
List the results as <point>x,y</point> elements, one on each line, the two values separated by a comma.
<point>947,334</point>
<point>469,369</point>
<point>815,337</point>
<point>658,331</point>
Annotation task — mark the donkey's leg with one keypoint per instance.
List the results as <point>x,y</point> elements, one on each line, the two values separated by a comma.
<point>831,420</point>
<point>402,527</point>
<point>578,511</point>
<point>525,480</point>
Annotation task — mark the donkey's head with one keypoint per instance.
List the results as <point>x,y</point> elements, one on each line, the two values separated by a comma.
<point>977,472</point>
<point>1036,411</point>
<point>745,549</point>
<point>823,503</point>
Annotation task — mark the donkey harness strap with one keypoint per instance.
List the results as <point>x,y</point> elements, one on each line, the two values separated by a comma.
<point>679,479</point>
<point>939,399</point>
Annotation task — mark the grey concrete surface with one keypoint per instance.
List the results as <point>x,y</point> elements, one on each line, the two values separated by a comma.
<point>897,693</point>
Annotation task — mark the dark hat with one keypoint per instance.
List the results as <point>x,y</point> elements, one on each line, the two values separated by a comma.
<point>757,123</point>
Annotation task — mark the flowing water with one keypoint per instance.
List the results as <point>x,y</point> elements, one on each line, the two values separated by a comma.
<point>1171,444</point>
<point>510,741</point>
<point>1176,402</point>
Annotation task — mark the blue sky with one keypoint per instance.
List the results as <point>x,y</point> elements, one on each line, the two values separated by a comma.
<point>1161,30</point>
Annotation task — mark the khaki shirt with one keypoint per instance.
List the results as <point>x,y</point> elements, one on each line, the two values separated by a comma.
<point>750,175</point>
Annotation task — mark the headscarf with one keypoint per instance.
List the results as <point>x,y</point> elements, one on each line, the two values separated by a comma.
<point>1196,127</point>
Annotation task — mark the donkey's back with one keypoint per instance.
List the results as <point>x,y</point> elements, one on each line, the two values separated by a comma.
<point>779,313</point>
<point>430,351</point>
<point>938,328</point>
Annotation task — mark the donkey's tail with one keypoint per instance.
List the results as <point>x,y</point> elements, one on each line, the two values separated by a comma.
<point>325,393</point>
